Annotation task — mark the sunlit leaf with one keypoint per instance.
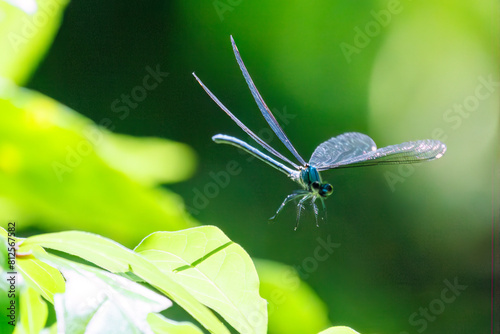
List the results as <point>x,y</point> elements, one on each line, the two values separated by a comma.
<point>96,301</point>
<point>51,330</point>
<point>40,276</point>
<point>70,182</point>
<point>161,325</point>
<point>339,330</point>
<point>4,258</point>
<point>99,250</point>
<point>3,232</point>
<point>32,311</point>
<point>27,28</point>
<point>148,160</point>
<point>218,272</point>
<point>119,259</point>
<point>292,304</point>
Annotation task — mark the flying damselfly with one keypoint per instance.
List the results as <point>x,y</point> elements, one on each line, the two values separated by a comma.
<point>351,149</point>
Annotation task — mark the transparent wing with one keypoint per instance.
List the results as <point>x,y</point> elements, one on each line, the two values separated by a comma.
<point>271,120</point>
<point>343,147</point>
<point>405,153</point>
<point>243,126</point>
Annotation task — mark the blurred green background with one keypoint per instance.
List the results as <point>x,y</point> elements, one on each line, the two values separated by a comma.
<point>395,70</point>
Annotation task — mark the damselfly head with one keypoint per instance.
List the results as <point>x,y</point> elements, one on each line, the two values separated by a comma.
<point>322,189</point>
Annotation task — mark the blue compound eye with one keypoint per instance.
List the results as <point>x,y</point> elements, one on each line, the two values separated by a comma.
<point>315,185</point>
<point>327,190</point>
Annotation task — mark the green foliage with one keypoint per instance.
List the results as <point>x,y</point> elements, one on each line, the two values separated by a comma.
<point>118,259</point>
<point>33,312</point>
<point>95,299</point>
<point>216,271</point>
<point>84,176</point>
<point>197,264</point>
<point>293,306</point>
<point>88,178</point>
<point>60,170</point>
<point>43,278</point>
<point>26,32</point>
<point>162,325</point>
<point>339,330</point>
<point>78,158</point>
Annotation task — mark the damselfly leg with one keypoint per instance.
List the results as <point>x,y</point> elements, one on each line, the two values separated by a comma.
<point>300,206</point>
<point>295,195</point>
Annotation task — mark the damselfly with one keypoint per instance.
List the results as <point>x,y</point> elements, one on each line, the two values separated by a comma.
<point>351,149</point>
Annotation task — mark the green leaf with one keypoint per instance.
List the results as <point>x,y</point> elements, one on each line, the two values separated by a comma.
<point>118,259</point>
<point>149,161</point>
<point>96,301</point>
<point>161,325</point>
<point>3,232</point>
<point>4,256</point>
<point>33,312</point>
<point>92,247</point>
<point>27,29</point>
<point>50,330</point>
<point>38,275</point>
<point>339,330</point>
<point>79,170</point>
<point>293,305</point>
<point>218,272</point>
